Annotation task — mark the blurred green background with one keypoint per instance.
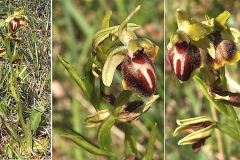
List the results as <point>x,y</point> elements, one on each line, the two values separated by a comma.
<point>74,23</point>
<point>185,100</point>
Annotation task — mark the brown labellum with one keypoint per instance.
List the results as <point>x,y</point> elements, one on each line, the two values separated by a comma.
<point>197,146</point>
<point>139,74</point>
<point>225,50</point>
<point>184,58</point>
<point>14,24</point>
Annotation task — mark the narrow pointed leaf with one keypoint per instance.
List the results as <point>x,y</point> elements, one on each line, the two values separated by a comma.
<point>129,142</point>
<point>104,134</point>
<point>150,146</point>
<point>73,73</point>
<point>229,131</point>
<point>35,118</point>
<point>81,142</point>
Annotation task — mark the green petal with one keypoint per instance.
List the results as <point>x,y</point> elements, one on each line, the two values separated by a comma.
<point>220,21</point>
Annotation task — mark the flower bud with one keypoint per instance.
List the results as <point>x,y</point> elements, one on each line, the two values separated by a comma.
<point>14,24</point>
<point>226,97</point>
<point>198,130</point>
<point>132,112</point>
<point>96,118</point>
<point>184,58</point>
<point>139,74</point>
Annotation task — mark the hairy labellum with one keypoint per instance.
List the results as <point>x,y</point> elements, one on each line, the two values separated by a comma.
<point>184,59</point>
<point>139,74</point>
<point>225,51</point>
<point>14,24</point>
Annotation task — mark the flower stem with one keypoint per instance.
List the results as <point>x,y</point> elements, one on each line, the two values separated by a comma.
<point>220,107</point>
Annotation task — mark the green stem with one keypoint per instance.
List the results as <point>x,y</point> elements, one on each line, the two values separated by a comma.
<point>227,110</point>
<point>230,131</point>
<point>27,134</point>
<point>231,111</point>
<point>220,107</point>
<point>16,95</point>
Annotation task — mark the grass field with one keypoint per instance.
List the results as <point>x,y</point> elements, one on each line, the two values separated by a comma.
<point>25,83</point>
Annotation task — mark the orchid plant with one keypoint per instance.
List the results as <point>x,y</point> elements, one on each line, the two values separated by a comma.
<point>117,48</point>
<point>22,127</point>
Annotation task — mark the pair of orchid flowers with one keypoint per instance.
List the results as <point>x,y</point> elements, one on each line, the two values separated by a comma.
<point>203,48</point>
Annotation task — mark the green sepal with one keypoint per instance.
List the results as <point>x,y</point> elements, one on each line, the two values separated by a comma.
<point>198,31</point>
<point>106,19</point>
<point>101,35</point>
<point>114,59</point>
<point>124,33</point>
<point>183,19</point>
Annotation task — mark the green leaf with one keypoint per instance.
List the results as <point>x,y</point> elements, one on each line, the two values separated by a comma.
<point>104,134</point>
<point>35,118</point>
<point>106,19</point>
<point>89,81</point>
<point>130,142</point>
<point>114,59</point>
<point>121,101</point>
<point>150,146</point>
<point>2,23</point>
<point>73,73</point>
<point>220,21</point>
<point>228,130</point>
<point>81,142</point>
<point>198,31</point>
